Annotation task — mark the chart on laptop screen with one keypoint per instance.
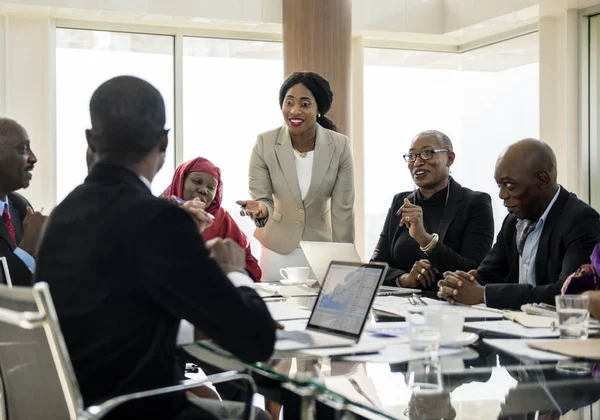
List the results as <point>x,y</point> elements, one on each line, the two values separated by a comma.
<point>345,298</point>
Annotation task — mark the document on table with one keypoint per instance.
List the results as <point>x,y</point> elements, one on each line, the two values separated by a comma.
<point>281,311</point>
<point>399,306</point>
<point>521,348</point>
<point>398,353</point>
<point>507,327</point>
<point>585,349</point>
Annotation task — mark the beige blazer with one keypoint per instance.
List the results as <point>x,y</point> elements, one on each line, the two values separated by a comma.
<point>327,212</point>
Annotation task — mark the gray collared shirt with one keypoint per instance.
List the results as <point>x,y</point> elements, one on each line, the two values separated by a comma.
<point>527,260</point>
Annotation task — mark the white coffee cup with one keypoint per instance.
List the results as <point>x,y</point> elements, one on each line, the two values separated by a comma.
<point>295,274</point>
<point>447,320</point>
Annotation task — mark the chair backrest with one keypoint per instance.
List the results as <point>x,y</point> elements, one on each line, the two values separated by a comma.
<point>4,272</point>
<point>38,380</point>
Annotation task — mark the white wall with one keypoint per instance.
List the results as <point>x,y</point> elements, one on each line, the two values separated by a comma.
<point>560,78</point>
<point>419,16</point>
<point>235,10</point>
<point>462,13</point>
<point>399,16</point>
<point>29,97</point>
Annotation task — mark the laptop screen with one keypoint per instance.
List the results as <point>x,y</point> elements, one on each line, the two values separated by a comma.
<point>346,296</point>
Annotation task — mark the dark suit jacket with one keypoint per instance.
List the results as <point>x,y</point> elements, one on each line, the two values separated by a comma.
<point>465,236</point>
<point>570,233</point>
<point>124,267</point>
<point>19,272</point>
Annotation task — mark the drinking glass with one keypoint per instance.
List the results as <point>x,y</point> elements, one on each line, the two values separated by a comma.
<point>573,316</point>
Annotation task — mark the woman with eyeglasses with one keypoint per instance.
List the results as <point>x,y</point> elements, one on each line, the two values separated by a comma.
<point>441,226</point>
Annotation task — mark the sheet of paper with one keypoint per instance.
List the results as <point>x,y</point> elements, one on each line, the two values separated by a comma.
<point>398,353</point>
<point>530,321</point>
<point>520,348</point>
<point>397,305</point>
<point>585,349</point>
<point>363,346</point>
<point>507,327</point>
<point>281,311</point>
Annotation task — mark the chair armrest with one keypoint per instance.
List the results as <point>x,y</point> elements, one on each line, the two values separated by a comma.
<point>100,410</point>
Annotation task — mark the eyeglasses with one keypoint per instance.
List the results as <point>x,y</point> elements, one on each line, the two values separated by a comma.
<point>424,155</point>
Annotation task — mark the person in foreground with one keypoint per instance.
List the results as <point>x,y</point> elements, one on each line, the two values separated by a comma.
<point>439,227</point>
<point>200,179</point>
<point>547,235</point>
<point>21,227</point>
<point>301,178</point>
<point>124,267</point>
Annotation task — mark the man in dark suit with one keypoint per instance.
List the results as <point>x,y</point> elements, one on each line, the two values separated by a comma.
<point>548,234</point>
<point>21,226</point>
<point>124,268</point>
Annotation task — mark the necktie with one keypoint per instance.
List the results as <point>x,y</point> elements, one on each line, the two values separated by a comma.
<point>9,225</point>
<point>524,228</point>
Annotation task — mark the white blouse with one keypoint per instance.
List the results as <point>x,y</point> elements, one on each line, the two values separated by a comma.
<point>304,170</point>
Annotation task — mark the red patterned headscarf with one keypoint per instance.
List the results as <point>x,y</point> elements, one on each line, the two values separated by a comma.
<point>223,226</point>
<point>196,165</point>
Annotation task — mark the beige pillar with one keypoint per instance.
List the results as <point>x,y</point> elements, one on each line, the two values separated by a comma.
<point>560,114</point>
<point>317,36</point>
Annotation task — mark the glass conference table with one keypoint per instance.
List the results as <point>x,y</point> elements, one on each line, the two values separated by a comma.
<point>480,382</point>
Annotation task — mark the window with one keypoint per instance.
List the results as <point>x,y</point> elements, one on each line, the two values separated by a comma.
<point>594,110</point>
<point>84,60</point>
<point>231,90</point>
<point>469,96</point>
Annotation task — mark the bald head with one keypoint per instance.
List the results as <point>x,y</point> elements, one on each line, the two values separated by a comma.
<point>526,174</point>
<point>535,155</point>
<point>16,157</point>
<point>10,128</point>
<point>443,140</point>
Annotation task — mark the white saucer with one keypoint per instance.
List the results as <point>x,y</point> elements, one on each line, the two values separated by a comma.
<point>296,282</point>
<point>464,339</point>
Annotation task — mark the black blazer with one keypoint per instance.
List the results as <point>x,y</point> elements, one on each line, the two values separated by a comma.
<point>570,233</point>
<point>124,267</point>
<point>19,272</point>
<point>465,236</point>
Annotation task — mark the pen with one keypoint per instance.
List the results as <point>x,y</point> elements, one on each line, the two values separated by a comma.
<point>179,200</point>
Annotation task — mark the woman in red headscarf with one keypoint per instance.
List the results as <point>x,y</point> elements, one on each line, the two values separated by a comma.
<point>199,178</point>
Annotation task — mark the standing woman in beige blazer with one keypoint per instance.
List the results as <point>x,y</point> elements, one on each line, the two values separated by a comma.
<point>301,178</point>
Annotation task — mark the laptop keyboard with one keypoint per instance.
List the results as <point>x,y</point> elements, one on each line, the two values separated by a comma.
<point>297,336</point>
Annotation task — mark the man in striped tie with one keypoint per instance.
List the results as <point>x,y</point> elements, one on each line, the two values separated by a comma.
<point>21,226</point>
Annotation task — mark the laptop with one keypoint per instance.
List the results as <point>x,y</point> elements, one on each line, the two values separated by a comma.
<point>341,307</point>
<point>320,254</point>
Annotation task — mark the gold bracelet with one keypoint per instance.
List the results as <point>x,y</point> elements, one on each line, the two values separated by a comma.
<point>434,240</point>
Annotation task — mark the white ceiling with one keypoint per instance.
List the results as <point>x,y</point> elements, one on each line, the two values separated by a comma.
<point>434,22</point>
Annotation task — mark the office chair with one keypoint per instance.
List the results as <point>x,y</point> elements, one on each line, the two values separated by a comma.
<point>37,378</point>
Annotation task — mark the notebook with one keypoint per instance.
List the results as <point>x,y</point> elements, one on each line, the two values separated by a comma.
<point>584,349</point>
<point>320,254</point>
<point>341,308</point>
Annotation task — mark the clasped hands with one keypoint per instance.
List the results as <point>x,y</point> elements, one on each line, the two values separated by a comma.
<point>461,287</point>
